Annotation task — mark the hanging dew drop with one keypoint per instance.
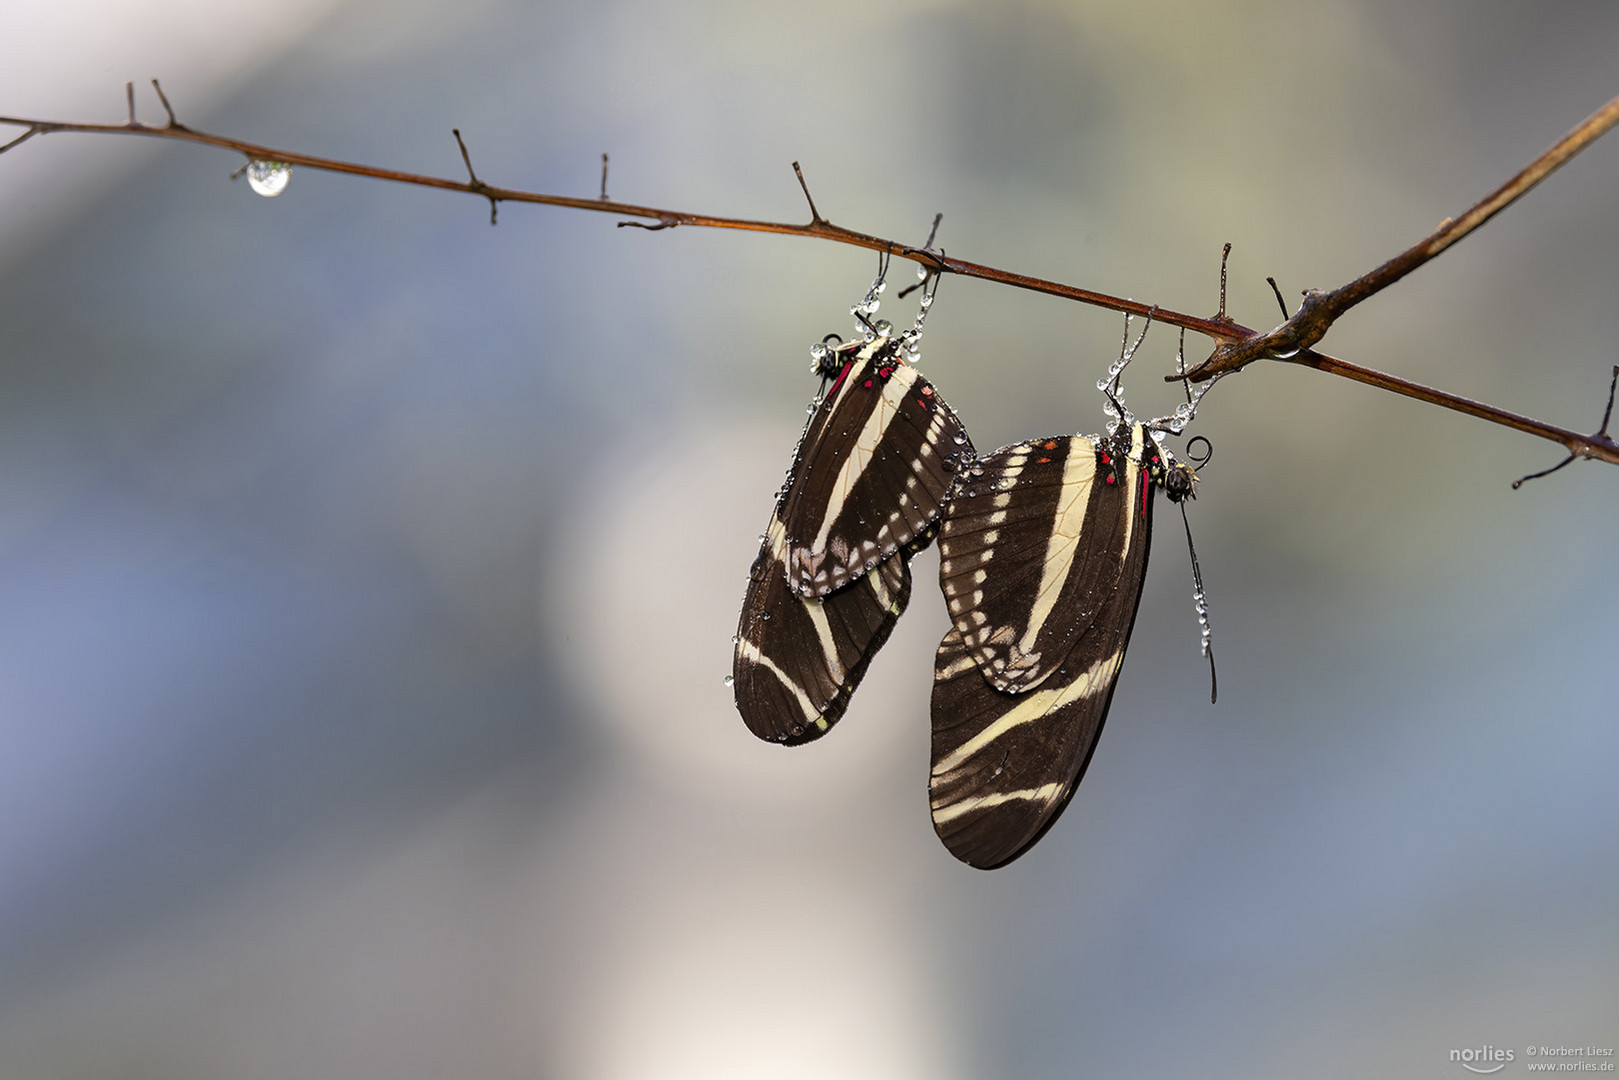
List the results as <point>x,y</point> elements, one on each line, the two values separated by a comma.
<point>730,680</point>
<point>268,178</point>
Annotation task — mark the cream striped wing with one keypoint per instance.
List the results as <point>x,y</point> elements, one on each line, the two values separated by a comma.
<point>872,470</point>
<point>1034,538</point>
<point>798,659</point>
<point>1006,763</point>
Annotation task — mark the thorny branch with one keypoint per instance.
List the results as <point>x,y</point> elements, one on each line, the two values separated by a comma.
<point>1236,345</point>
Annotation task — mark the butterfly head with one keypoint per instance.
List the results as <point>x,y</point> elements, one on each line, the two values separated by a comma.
<point>1178,479</point>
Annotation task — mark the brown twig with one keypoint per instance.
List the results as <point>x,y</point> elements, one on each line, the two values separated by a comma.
<point>164,98</point>
<point>1321,309</point>
<point>1236,345</point>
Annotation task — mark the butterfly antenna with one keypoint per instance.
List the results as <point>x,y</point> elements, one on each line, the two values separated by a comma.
<point>925,272</point>
<point>1200,598</point>
<point>1176,421</point>
<point>1111,384</point>
<point>868,304</point>
<point>925,302</point>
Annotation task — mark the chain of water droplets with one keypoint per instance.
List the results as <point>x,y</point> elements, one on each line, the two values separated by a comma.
<point>1110,384</point>
<point>1175,422</point>
<point>867,306</point>
<point>1200,600</point>
<point>1184,413</point>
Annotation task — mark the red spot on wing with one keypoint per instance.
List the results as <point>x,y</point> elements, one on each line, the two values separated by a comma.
<point>838,383</point>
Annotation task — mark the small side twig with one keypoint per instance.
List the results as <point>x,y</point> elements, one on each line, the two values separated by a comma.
<point>1225,257</point>
<point>473,183</point>
<point>1277,290</point>
<point>129,96</point>
<point>164,98</point>
<point>815,215</point>
<point>33,130</point>
<point>1601,435</point>
<point>604,176</point>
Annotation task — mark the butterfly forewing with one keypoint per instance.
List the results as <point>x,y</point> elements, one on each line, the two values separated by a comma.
<point>1006,763</point>
<point>1030,552</point>
<point>872,471</point>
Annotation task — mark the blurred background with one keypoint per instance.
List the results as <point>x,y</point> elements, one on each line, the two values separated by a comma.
<point>367,573</point>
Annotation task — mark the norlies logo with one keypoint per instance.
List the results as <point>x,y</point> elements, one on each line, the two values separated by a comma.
<point>1484,1060</point>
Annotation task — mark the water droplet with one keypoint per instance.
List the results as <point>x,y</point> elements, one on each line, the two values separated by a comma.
<point>884,328</point>
<point>872,305</point>
<point>730,680</point>
<point>921,272</point>
<point>926,301</point>
<point>882,286</point>
<point>765,615</point>
<point>268,178</point>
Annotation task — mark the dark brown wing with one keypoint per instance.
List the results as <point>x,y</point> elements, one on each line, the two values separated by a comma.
<point>1030,551</point>
<point>872,470</point>
<point>798,659</point>
<point>1005,764</point>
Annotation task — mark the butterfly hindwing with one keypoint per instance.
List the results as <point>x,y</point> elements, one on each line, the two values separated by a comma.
<point>872,470</point>
<point>1006,763</point>
<point>798,659</point>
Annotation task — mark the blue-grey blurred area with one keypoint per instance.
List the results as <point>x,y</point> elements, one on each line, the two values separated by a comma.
<point>367,573</point>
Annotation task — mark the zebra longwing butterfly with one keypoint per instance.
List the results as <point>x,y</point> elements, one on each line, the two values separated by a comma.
<point>1043,552</point>
<point>832,577</point>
